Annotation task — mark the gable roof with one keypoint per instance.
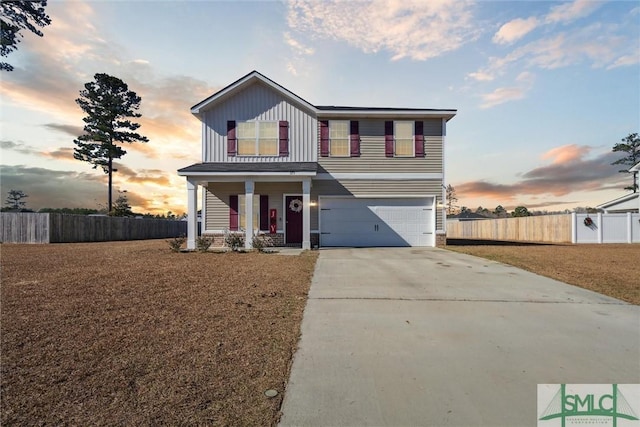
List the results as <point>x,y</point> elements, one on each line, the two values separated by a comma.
<point>324,110</point>
<point>612,204</point>
<point>635,168</point>
<point>241,83</point>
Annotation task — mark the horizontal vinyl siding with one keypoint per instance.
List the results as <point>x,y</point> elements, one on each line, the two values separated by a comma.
<point>217,202</point>
<point>364,188</point>
<point>372,156</point>
<point>259,102</point>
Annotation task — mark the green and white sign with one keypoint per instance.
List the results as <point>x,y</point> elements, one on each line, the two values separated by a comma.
<point>561,405</point>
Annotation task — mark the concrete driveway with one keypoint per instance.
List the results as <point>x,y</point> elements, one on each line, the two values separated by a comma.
<point>429,337</point>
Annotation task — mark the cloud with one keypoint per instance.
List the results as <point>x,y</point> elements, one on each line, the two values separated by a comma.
<point>567,153</point>
<point>482,76</point>
<point>18,147</point>
<point>625,60</point>
<point>71,130</point>
<point>515,30</point>
<point>568,12</point>
<point>52,188</point>
<point>524,83</point>
<point>62,153</point>
<point>298,47</point>
<point>142,176</point>
<point>569,172</point>
<point>407,29</point>
<point>48,188</point>
<point>600,44</point>
<point>72,46</point>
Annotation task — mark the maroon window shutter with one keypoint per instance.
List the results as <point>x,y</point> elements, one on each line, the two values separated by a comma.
<point>388,139</point>
<point>324,138</point>
<point>233,212</point>
<point>284,139</point>
<point>419,138</point>
<point>231,138</point>
<point>354,136</point>
<point>264,212</point>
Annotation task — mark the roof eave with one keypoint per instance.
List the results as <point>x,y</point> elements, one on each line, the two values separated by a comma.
<point>445,114</point>
<point>617,201</point>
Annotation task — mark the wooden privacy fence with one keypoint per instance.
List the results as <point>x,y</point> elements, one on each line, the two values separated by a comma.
<point>565,228</point>
<point>63,228</point>
<point>545,228</point>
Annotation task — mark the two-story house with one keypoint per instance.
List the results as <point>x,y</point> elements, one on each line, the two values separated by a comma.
<point>311,175</point>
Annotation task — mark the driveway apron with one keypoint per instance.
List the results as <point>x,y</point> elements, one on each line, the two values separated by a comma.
<point>429,337</point>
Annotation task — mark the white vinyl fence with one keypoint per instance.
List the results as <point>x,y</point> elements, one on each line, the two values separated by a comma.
<point>606,228</point>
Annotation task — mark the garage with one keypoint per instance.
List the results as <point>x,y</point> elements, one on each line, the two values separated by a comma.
<point>366,222</point>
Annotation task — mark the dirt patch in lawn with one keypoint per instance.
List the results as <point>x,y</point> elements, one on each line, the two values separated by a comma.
<point>129,333</point>
<point>609,269</point>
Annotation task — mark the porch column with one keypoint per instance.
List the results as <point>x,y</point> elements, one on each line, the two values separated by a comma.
<point>248,212</point>
<point>192,214</point>
<point>306,214</point>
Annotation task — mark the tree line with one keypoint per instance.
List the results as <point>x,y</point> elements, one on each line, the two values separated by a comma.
<point>15,202</point>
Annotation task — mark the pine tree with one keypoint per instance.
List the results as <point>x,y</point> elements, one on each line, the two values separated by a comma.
<point>17,16</point>
<point>631,146</point>
<point>109,104</point>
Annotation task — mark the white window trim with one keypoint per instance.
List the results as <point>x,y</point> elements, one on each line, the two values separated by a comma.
<point>413,139</point>
<point>348,139</point>
<point>257,138</point>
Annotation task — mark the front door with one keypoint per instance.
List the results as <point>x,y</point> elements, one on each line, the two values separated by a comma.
<point>293,218</point>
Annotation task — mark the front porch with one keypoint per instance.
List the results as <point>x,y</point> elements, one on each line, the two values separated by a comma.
<point>273,199</point>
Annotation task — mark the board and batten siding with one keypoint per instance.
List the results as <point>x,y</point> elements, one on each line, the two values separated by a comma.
<point>259,102</point>
<point>372,152</point>
<point>368,188</point>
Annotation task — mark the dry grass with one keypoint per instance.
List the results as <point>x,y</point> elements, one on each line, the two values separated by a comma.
<point>609,269</point>
<point>129,333</point>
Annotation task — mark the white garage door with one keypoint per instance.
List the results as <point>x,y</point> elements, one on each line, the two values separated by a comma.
<point>347,221</point>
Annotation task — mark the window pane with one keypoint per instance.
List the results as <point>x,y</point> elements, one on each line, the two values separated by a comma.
<point>256,211</point>
<point>246,130</point>
<point>404,130</point>
<point>340,147</point>
<point>246,147</point>
<point>268,129</point>
<point>338,129</point>
<point>268,147</point>
<point>404,147</point>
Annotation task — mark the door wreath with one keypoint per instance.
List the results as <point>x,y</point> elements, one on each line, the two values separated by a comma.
<point>296,205</point>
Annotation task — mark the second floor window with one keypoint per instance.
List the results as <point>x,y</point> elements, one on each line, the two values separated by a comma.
<point>257,138</point>
<point>403,138</point>
<point>339,138</point>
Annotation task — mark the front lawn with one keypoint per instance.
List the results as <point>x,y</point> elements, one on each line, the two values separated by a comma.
<point>610,269</point>
<point>129,333</point>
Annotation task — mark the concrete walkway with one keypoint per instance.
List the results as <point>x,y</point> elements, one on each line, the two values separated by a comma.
<point>429,337</point>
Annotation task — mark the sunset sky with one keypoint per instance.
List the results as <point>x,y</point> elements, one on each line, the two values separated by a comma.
<point>543,89</point>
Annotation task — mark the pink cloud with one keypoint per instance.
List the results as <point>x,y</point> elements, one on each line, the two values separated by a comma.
<point>567,153</point>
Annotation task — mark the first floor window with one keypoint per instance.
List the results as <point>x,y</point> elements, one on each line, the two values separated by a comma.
<point>403,139</point>
<point>257,138</point>
<point>242,217</point>
<point>339,138</point>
